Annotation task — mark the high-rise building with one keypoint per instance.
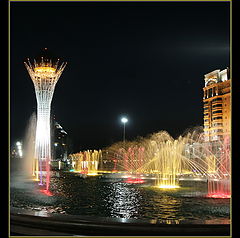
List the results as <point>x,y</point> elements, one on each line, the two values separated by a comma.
<point>217,105</point>
<point>60,143</point>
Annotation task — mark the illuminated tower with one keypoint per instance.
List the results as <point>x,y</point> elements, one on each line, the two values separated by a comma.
<point>44,73</point>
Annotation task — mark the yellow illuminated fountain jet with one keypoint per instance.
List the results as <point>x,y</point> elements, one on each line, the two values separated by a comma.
<point>44,73</point>
<point>86,162</point>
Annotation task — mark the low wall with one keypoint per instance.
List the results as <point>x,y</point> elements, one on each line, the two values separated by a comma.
<point>28,222</point>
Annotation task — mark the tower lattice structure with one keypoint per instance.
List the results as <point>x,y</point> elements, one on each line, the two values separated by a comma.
<point>44,73</point>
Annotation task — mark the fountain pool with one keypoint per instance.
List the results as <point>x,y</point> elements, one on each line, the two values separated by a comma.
<point>104,196</point>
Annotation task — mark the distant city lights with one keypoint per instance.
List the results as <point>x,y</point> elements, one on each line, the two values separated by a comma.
<point>19,148</point>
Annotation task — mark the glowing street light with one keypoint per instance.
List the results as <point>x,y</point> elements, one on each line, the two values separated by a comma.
<point>124,120</point>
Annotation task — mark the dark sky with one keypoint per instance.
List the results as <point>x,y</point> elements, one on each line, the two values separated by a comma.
<point>143,60</point>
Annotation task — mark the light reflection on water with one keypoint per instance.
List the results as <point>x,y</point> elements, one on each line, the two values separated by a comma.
<point>100,197</point>
<point>123,200</point>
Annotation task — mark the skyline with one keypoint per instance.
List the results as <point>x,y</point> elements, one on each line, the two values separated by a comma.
<point>131,69</point>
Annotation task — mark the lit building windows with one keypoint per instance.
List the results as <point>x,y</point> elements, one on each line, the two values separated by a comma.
<point>217,118</point>
<point>217,88</point>
<point>218,111</point>
<point>217,105</point>
<point>217,99</point>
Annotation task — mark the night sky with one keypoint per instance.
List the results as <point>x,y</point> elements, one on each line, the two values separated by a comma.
<point>143,60</point>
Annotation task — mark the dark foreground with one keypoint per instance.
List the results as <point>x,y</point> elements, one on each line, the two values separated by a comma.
<point>27,222</point>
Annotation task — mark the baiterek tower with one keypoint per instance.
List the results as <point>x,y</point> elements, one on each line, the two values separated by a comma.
<point>44,72</point>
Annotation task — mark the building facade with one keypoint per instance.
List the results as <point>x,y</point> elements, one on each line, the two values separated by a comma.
<point>217,105</point>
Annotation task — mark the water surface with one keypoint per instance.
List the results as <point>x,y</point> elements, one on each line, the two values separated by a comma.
<point>103,197</point>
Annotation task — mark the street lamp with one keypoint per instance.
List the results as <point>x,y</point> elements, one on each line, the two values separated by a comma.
<point>124,120</point>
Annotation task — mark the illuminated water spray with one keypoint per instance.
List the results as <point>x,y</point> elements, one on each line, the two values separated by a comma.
<point>44,73</point>
<point>86,162</point>
<point>171,160</point>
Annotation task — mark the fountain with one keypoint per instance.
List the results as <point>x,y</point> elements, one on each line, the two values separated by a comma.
<point>28,148</point>
<point>22,168</point>
<point>170,160</point>
<point>147,178</point>
<point>219,181</point>
<point>86,162</point>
